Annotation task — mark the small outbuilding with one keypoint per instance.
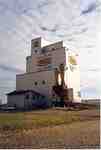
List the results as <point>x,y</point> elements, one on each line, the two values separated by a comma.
<point>26,99</point>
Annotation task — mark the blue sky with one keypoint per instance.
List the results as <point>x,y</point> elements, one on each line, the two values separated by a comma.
<point>76,22</point>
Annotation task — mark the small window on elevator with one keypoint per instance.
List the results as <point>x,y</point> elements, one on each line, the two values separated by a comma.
<point>36,51</point>
<point>27,96</point>
<point>36,83</point>
<point>43,82</point>
<point>36,44</point>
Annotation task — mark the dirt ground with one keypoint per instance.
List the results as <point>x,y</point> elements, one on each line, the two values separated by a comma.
<point>82,133</point>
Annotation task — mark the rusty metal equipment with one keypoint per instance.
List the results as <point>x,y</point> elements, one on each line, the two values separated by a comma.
<point>65,94</point>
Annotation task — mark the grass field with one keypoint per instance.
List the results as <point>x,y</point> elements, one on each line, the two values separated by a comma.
<point>53,128</point>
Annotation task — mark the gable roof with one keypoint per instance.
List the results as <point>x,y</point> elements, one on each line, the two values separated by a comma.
<point>24,92</point>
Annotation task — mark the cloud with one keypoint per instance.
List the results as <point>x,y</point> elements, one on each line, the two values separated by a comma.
<point>54,29</point>
<point>10,68</point>
<point>90,8</point>
<point>84,30</point>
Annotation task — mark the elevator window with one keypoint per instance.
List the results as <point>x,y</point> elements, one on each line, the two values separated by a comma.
<point>43,82</point>
<point>36,51</point>
<point>36,83</point>
<point>27,96</point>
<point>36,44</point>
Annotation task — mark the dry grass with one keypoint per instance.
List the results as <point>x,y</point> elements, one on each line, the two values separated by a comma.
<point>50,129</point>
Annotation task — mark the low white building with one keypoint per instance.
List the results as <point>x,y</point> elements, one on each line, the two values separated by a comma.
<point>40,67</point>
<point>27,99</point>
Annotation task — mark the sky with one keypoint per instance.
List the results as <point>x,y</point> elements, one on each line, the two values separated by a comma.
<point>76,22</point>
